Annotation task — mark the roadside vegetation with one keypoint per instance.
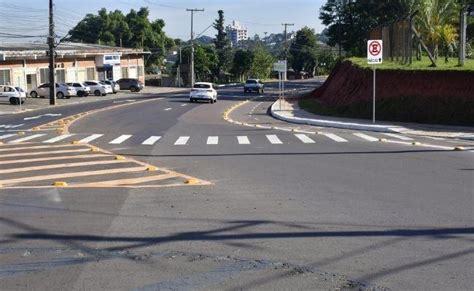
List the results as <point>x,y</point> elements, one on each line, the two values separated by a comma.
<point>423,65</point>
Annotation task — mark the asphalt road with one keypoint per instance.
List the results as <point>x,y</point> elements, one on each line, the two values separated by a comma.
<point>281,211</point>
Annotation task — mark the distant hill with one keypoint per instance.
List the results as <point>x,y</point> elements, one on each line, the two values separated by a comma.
<point>204,39</point>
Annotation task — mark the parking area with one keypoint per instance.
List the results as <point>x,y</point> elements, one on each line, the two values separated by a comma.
<point>32,104</point>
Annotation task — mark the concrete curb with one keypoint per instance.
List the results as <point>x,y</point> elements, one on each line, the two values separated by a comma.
<point>275,112</point>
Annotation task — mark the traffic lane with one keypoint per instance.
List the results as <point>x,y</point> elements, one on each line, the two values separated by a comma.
<point>349,212</point>
<point>30,217</point>
<point>149,118</point>
<point>67,110</point>
<point>340,212</point>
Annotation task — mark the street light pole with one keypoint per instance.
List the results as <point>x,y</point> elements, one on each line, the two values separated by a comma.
<point>51,52</point>
<point>192,43</point>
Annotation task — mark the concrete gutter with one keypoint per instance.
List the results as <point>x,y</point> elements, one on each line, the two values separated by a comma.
<point>287,115</point>
<point>293,114</point>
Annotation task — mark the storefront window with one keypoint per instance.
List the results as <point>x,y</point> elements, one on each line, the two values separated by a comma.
<point>5,77</point>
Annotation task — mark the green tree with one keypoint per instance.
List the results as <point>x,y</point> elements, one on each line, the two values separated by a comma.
<point>349,22</point>
<point>222,44</point>
<point>303,54</point>
<point>132,30</point>
<point>262,63</point>
<point>242,63</point>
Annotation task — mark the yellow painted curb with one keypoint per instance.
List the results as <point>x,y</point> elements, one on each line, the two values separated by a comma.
<point>35,129</point>
<point>75,142</point>
<point>192,182</point>
<point>93,149</point>
<point>119,158</point>
<point>21,133</point>
<point>60,184</point>
<point>152,169</point>
<point>415,143</point>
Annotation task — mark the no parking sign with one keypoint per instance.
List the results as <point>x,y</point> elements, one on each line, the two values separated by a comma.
<point>374,52</point>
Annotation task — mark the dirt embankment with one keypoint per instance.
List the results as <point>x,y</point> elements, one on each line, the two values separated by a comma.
<point>442,97</point>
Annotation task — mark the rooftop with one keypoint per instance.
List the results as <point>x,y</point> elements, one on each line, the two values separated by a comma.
<point>37,49</point>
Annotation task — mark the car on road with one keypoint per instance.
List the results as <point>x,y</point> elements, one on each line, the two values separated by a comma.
<point>254,85</point>
<point>113,84</point>
<point>203,91</point>
<point>81,89</point>
<point>62,91</point>
<point>13,94</point>
<point>97,88</point>
<point>133,85</point>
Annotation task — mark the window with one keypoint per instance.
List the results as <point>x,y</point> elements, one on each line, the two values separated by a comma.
<point>60,75</point>
<point>124,72</point>
<point>5,77</point>
<point>202,86</point>
<point>44,75</point>
<point>90,74</point>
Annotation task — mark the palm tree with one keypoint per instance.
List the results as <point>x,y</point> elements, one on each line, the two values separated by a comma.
<point>435,19</point>
<point>448,36</point>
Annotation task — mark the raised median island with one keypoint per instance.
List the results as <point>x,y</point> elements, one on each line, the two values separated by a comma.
<point>407,94</point>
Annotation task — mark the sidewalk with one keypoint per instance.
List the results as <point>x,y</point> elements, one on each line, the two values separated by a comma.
<point>291,112</point>
<point>33,104</point>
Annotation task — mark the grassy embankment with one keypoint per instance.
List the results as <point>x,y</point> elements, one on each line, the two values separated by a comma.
<point>424,64</point>
<point>405,108</point>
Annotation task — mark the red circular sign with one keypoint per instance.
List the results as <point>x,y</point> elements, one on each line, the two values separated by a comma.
<point>375,48</point>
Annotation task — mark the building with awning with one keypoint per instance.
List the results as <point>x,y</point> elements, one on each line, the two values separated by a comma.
<point>26,64</point>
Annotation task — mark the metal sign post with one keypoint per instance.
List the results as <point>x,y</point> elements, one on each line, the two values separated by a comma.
<point>281,68</point>
<point>374,57</point>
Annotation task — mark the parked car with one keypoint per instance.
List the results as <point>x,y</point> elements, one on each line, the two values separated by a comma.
<point>133,85</point>
<point>97,88</point>
<point>14,95</point>
<point>62,91</point>
<point>81,89</point>
<point>254,85</point>
<point>113,84</point>
<point>203,91</point>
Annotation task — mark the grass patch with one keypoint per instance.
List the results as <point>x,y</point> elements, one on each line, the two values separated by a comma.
<point>423,65</point>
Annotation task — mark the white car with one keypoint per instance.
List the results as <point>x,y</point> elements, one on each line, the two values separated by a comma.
<point>62,91</point>
<point>203,91</point>
<point>98,89</point>
<point>12,94</point>
<point>81,89</point>
<point>107,89</point>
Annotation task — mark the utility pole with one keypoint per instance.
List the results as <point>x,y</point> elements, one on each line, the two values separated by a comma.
<point>52,82</point>
<point>462,33</point>
<point>192,43</point>
<point>286,45</point>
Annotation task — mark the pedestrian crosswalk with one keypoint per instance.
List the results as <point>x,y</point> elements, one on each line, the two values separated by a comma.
<point>10,126</point>
<point>292,138</point>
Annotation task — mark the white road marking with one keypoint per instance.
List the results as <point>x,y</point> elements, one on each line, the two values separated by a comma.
<point>27,138</point>
<point>304,138</point>
<point>366,137</point>
<point>168,109</point>
<point>58,138</point>
<point>243,140</point>
<point>434,138</point>
<point>151,140</point>
<point>182,105</point>
<point>401,137</point>
<point>6,136</point>
<point>182,140</point>
<point>120,139</point>
<point>9,126</point>
<point>213,140</point>
<point>91,138</point>
<point>273,139</point>
<point>44,115</point>
<point>334,137</point>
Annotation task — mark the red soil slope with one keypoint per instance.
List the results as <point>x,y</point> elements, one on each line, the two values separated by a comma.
<point>403,95</point>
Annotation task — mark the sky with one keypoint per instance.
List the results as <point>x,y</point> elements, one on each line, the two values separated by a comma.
<point>259,16</point>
